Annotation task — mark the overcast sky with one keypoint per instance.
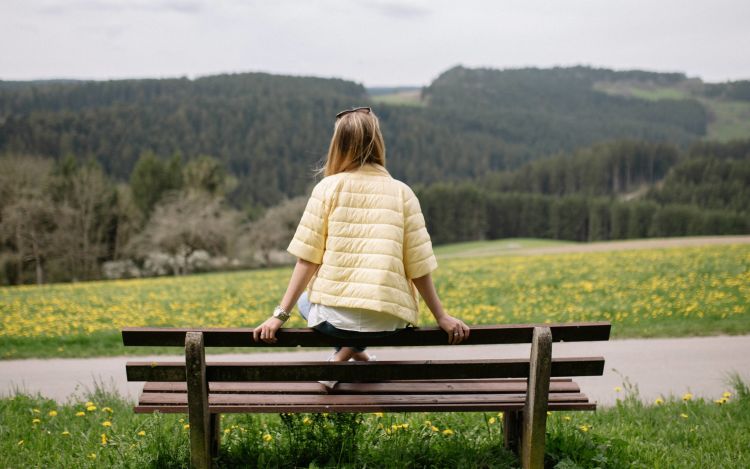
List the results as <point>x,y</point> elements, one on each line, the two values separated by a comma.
<point>375,42</point>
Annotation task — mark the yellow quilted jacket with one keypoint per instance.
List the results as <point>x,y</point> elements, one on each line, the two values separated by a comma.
<point>367,232</point>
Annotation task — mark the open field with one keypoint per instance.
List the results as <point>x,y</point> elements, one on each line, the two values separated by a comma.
<point>680,291</point>
<point>676,433</point>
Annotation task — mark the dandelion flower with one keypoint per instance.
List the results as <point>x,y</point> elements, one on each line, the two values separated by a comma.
<point>447,432</point>
<point>36,411</point>
<point>584,428</point>
<point>683,415</point>
<point>104,439</point>
<point>492,420</point>
<point>720,401</point>
<point>307,421</point>
<point>89,403</point>
<point>186,426</point>
<point>378,414</point>
<point>80,414</point>
<point>141,433</point>
<point>618,389</point>
<point>434,428</point>
<point>726,395</point>
<point>20,442</point>
<point>52,413</point>
<point>92,456</point>
<point>659,401</point>
<point>567,418</point>
<point>107,409</point>
<point>106,423</point>
<point>35,421</point>
<point>267,437</point>
<point>687,397</point>
<point>66,433</point>
<point>91,408</point>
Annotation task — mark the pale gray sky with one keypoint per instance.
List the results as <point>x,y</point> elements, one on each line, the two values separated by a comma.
<point>375,42</point>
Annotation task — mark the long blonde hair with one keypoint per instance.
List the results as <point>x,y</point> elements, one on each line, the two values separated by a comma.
<point>356,141</point>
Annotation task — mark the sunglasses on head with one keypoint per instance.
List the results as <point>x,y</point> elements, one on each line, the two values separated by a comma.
<point>356,109</point>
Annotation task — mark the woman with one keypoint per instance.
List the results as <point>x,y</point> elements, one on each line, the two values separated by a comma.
<point>361,246</point>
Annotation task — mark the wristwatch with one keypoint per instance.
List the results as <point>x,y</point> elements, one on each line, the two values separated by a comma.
<point>280,313</point>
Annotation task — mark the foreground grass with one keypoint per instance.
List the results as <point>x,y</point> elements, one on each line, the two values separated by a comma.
<point>104,432</point>
<point>644,293</point>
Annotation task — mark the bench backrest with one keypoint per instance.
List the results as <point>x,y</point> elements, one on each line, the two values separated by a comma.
<point>377,371</point>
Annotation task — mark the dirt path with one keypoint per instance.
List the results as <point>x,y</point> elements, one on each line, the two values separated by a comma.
<point>654,243</point>
<point>658,366</point>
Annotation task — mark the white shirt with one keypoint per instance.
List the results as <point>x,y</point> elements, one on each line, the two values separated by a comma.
<point>354,319</point>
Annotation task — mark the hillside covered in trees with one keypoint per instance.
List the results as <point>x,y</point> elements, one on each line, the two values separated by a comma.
<point>102,177</point>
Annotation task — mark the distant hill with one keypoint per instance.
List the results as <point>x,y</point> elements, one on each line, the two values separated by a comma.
<point>270,130</point>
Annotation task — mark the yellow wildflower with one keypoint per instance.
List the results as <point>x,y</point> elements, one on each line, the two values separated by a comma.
<point>141,433</point>
<point>447,432</point>
<point>726,395</point>
<point>181,420</point>
<point>52,413</point>
<point>434,428</point>
<point>89,403</point>
<point>80,414</point>
<point>66,433</point>
<point>267,437</point>
<point>35,421</point>
<point>584,428</point>
<point>307,421</point>
<point>378,414</point>
<point>92,456</point>
<point>186,426</point>
<point>720,401</point>
<point>36,411</point>
<point>91,408</point>
<point>659,401</point>
<point>618,389</point>
<point>20,442</point>
<point>107,409</point>
<point>567,418</point>
<point>492,420</point>
<point>687,396</point>
<point>104,438</point>
<point>106,423</point>
<point>683,415</point>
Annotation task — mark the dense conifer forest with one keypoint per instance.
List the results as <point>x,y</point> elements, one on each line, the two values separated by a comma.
<point>99,178</point>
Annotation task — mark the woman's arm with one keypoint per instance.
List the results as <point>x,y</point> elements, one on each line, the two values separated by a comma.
<point>303,272</point>
<point>455,328</point>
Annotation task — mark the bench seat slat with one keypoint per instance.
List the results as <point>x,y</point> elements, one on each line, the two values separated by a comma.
<point>393,387</point>
<point>273,409</point>
<point>290,337</point>
<point>356,371</point>
<point>350,399</point>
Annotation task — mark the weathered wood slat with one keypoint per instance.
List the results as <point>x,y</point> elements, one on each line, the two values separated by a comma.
<point>368,371</point>
<point>242,337</point>
<point>148,398</point>
<point>229,409</point>
<point>394,387</point>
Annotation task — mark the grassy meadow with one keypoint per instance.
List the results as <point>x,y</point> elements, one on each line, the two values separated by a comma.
<point>645,293</point>
<point>101,430</point>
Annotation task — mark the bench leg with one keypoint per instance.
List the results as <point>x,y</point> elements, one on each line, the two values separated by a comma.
<point>512,429</point>
<point>197,389</point>
<point>537,398</point>
<point>215,435</point>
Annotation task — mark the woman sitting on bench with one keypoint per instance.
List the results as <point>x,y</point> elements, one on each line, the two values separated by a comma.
<point>362,248</point>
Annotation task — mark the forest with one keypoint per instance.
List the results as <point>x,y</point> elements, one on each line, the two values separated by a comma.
<point>151,177</point>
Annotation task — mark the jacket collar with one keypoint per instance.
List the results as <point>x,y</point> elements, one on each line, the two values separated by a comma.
<point>373,168</point>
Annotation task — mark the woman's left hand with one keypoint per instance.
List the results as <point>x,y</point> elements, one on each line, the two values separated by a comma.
<point>267,331</point>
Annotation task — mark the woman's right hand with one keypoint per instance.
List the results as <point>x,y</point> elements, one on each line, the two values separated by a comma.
<point>456,329</point>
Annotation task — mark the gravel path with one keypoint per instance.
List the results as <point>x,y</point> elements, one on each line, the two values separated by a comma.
<point>658,366</point>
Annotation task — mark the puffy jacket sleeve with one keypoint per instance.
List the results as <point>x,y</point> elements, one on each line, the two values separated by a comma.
<point>310,238</point>
<point>419,260</point>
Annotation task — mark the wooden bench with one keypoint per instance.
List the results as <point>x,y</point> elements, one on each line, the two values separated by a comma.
<point>524,389</point>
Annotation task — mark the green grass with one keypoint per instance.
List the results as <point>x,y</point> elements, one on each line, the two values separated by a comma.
<point>675,434</point>
<point>400,98</point>
<point>494,247</point>
<point>674,292</point>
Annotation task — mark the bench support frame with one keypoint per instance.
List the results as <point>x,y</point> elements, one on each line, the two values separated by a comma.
<point>204,428</point>
<point>537,397</point>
